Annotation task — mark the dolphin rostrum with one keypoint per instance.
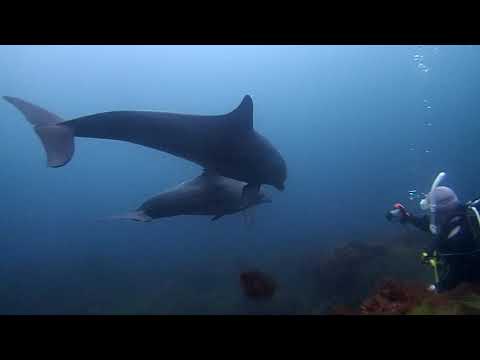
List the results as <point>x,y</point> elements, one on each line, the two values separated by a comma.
<point>207,194</point>
<point>226,144</point>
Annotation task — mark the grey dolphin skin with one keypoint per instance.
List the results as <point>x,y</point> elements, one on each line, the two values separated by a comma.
<point>226,144</point>
<point>207,194</point>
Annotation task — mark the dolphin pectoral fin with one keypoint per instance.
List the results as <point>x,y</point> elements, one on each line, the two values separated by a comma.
<point>138,216</point>
<point>249,217</point>
<point>250,193</point>
<point>216,217</point>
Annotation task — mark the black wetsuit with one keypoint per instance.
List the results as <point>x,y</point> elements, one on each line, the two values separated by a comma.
<point>456,248</point>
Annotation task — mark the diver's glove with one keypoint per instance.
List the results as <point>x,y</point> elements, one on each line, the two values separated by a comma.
<point>398,214</point>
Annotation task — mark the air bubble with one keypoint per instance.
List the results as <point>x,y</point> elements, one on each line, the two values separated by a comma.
<point>417,57</point>
<point>423,67</point>
<point>412,194</point>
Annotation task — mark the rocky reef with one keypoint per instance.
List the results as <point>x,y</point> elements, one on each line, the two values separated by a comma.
<point>257,284</point>
<point>354,270</point>
<point>367,278</point>
<point>395,297</point>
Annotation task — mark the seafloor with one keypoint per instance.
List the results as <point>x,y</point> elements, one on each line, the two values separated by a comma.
<point>381,275</point>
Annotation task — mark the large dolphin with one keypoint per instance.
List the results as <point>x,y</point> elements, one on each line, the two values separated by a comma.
<point>207,194</point>
<point>226,144</point>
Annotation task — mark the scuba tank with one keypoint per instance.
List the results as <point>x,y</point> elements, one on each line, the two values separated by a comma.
<point>473,218</point>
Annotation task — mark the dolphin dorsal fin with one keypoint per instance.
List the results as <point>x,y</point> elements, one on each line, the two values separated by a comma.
<point>242,116</point>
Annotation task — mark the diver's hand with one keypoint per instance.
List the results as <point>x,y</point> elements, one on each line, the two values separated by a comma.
<point>398,214</point>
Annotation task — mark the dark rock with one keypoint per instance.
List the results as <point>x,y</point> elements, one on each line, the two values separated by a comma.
<point>257,285</point>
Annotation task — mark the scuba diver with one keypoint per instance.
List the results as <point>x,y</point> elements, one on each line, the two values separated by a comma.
<point>454,252</point>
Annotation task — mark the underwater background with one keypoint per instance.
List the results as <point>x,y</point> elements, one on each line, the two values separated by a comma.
<point>358,126</point>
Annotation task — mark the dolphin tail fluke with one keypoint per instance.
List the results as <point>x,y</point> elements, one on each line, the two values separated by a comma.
<point>138,216</point>
<point>57,139</point>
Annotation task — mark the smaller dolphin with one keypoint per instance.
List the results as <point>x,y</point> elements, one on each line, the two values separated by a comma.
<point>207,194</point>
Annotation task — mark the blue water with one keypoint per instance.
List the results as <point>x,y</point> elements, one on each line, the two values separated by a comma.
<point>359,126</point>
